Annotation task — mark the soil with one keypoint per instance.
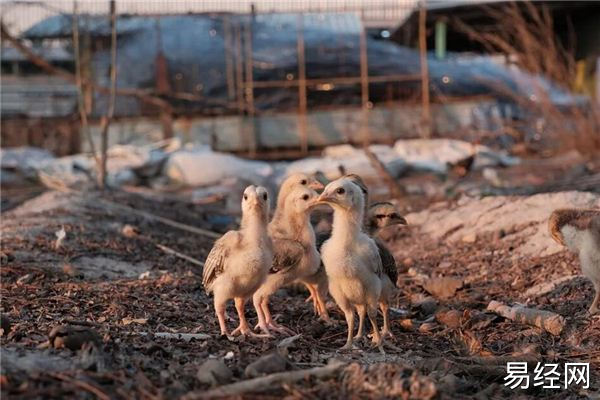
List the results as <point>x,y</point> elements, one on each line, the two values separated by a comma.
<point>111,285</point>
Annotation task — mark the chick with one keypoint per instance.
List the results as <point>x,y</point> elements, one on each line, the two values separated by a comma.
<point>379,217</point>
<point>239,261</point>
<point>289,184</point>
<point>351,258</point>
<point>579,230</point>
<point>317,284</point>
<point>295,254</point>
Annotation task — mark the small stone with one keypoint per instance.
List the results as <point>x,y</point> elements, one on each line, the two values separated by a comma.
<point>214,372</point>
<point>5,324</point>
<point>267,364</point>
<point>444,265</point>
<point>72,337</point>
<point>408,262</point>
<point>469,238</point>
<point>427,306</point>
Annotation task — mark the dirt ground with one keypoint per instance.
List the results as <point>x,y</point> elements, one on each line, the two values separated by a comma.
<point>109,280</point>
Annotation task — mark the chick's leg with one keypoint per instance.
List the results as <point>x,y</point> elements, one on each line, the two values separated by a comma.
<point>262,323</point>
<point>313,297</point>
<point>243,328</point>
<point>349,314</point>
<point>271,322</point>
<point>372,312</point>
<point>220,311</point>
<point>386,316</point>
<point>362,311</point>
<point>321,293</point>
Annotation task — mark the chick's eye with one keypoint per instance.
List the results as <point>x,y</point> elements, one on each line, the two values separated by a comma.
<point>340,191</point>
<point>245,197</point>
<point>265,196</point>
<point>380,216</point>
<point>303,182</point>
<point>305,197</point>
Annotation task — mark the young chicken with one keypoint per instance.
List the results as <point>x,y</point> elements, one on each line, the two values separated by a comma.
<point>379,217</point>
<point>295,255</point>
<point>239,261</point>
<point>351,258</point>
<point>579,230</point>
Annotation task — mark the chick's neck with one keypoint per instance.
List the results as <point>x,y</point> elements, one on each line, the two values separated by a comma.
<point>298,226</point>
<point>255,225</point>
<point>347,224</point>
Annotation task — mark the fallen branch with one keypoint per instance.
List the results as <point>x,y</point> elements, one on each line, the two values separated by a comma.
<point>169,250</point>
<point>88,387</point>
<point>178,336</point>
<point>543,288</point>
<point>547,320</point>
<point>266,382</point>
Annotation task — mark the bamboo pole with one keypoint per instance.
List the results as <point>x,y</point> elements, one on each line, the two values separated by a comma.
<point>302,100</point>
<point>425,112</point>
<point>79,83</point>
<point>112,95</point>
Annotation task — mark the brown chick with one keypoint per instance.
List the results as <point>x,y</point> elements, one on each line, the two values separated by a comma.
<point>239,261</point>
<point>295,254</point>
<point>351,258</point>
<point>381,216</point>
<point>579,230</point>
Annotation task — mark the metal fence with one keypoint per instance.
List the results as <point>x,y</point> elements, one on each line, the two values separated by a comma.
<point>238,33</point>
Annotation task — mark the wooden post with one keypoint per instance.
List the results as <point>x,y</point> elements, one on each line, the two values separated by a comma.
<point>425,113</point>
<point>112,94</point>
<point>79,83</point>
<point>239,69</point>
<point>302,87</point>
<point>250,87</point>
<point>228,59</point>
<point>364,88</point>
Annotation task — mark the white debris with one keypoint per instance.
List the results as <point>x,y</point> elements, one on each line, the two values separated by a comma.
<point>351,159</point>
<point>203,167</point>
<point>436,154</point>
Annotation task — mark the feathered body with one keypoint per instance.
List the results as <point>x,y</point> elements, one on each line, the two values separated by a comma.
<point>239,261</point>
<point>351,258</point>
<point>579,231</point>
<point>293,238</point>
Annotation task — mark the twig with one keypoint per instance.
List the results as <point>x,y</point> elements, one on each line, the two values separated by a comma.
<point>266,382</point>
<point>178,254</point>
<point>81,384</point>
<point>544,288</point>
<point>547,320</point>
<point>183,336</point>
<point>113,89</point>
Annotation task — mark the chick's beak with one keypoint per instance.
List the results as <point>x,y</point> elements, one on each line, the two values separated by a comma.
<point>326,198</point>
<point>400,220</point>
